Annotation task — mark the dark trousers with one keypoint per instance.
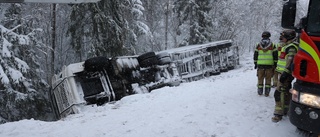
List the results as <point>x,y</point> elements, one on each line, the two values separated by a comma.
<point>282,96</point>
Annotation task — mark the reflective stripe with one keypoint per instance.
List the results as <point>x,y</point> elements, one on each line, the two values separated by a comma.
<point>282,62</point>
<point>286,70</point>
<point>308,49</point>
<point>277,48</point>
<point>278,108</point>
<point>282,100</point>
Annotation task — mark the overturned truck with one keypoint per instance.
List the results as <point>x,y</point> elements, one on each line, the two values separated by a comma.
<point>100,80</point>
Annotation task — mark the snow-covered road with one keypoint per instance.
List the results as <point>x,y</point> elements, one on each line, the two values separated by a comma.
<point>225,105</point>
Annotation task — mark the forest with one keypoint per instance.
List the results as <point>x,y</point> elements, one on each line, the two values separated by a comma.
<point>38,39</point>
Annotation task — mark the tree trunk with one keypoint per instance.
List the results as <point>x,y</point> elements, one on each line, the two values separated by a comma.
<point>167,24</point>
<point>53,39</point>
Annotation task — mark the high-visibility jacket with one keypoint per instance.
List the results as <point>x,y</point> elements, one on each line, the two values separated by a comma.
<point>278,48</point>
<point>282,60</point>
<point>265,55</point>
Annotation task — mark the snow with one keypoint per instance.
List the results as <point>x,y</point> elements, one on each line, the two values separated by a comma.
<point>4,78</point>
<point>5,49</point>
<point>22,65</point>
<point>225,105</point>
<point>15,74</point>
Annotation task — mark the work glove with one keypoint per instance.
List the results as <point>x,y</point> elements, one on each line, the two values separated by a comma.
<point>285,75</point>
<point>255,65</point>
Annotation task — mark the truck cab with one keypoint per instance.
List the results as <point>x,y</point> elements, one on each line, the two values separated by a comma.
<point>99,80</point>
<point>304,111</point>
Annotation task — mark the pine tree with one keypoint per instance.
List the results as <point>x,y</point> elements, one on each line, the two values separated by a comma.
<point>23,91</point>
<point>132,12</point>
<point>196,14</point>
<point>98,26</point>
<point>107,28</point>
<point>204,22</point>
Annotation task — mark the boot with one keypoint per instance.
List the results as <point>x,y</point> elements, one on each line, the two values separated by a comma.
<point>266,91</point>
<point>276,118</point>
<point>260,91</point>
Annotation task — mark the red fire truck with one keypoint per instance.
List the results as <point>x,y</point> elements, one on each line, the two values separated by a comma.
<point>304,111</point>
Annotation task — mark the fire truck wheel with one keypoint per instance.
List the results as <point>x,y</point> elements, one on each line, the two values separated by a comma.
<point>96,64</point>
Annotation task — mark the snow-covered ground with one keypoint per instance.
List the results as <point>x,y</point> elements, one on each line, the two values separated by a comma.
<point>225,105</point>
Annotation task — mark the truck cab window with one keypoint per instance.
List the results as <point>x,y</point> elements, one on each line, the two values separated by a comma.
<point>314,19</point>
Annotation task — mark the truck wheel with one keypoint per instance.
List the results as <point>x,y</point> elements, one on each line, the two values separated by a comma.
<point>147,59</point>
<point>96,64</point>
<point>146,56</point>
<point>163,58</point>
<point>149,62</point>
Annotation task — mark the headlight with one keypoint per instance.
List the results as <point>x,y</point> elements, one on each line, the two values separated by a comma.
<point>309,99</point>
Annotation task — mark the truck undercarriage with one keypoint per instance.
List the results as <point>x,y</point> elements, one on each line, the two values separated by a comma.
<point>100,80</point>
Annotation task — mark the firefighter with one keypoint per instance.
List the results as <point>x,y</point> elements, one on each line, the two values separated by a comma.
<point>275,73</point>
<point>265,58</point>
<point>281,94</point>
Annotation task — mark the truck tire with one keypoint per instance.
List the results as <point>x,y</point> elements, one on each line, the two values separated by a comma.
<point>146,56</point>
<point>96,64</point>
<point>149,62</point>
<point>147,59</point>
<point>164,58</point>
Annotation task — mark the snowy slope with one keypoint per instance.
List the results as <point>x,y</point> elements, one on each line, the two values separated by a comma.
<point>225,105</point>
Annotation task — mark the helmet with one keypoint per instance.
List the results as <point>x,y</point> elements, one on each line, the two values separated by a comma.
<point>266,34</point>
<point>288,34</point>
